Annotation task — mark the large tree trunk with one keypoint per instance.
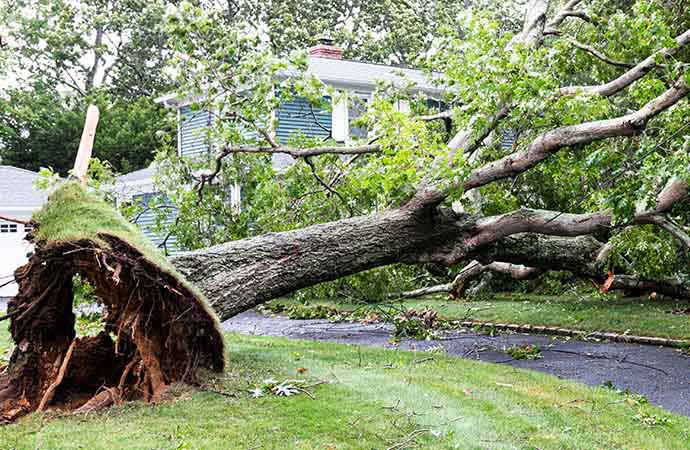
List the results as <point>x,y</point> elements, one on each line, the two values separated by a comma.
<point>239,275</point>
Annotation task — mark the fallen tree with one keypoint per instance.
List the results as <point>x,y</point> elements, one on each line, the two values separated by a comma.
<point>241,274</point>
<point>422,228</point>
<point>157,329</point>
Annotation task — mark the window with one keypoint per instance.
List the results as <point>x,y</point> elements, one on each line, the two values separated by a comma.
<point>8,228</point>
<point>28,228</point>
<point>357,107</point>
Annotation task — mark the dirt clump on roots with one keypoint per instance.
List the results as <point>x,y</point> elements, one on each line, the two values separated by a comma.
<point>157,330</point>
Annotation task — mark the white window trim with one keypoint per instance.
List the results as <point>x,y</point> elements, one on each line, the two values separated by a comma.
<point>179,131</point>
<point>236,197</point>
<point>339,117</point>
<point>402,106</point>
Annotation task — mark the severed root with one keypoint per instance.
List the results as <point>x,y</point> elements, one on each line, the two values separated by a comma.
<point>50,392</point>
<point>101,400</point>
<point>125,374</point>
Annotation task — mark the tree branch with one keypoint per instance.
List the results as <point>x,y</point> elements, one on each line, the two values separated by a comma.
<point>443,115</point>
<point>552,141</point>
<point>564,13</point>
<point>632,75</point>
<point>15,220</point>
<point>305,152</point>
<point>471,271</point>
<point>468,141</point>
<point>597,54</point>
<point>328,187</point>
<point>525,220</point>
<point>491,229</point>
<point>673,229</point>
<point>579,255</point>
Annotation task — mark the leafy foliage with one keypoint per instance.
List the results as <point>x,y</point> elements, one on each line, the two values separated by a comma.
<point>86,45</point>
<point>528,351</point>
<point>39,127</point>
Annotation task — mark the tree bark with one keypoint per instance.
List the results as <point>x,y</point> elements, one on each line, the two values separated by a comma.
<point>582,255</point>
<point>239,275</point>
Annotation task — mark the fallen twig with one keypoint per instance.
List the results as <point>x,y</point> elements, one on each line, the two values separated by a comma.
<point>412,437</point>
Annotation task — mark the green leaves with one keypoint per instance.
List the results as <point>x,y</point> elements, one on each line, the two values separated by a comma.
<point>241,77</point>
<point>87,45</point>
<point>41,128</point>
<point>648,251</point>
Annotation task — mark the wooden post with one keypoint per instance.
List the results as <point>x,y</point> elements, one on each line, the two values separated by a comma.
<point>81,164</point>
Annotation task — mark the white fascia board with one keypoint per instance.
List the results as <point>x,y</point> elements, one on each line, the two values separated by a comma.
<point>348,84</point>
<point>20,208</point>
<point>135,183</point>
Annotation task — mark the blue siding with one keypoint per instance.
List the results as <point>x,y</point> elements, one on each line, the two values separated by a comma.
<point>298,116</point>
<point>508,139</point>
<point>194,136</point>
<point>147,223</point>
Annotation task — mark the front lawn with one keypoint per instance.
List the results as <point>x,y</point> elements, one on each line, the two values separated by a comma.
<point>639,316</point>
<point>373,399</point>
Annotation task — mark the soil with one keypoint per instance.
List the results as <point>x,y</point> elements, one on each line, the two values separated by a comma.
<point>658,373</point>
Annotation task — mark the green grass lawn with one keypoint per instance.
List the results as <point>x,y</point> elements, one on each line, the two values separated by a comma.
<point>639,316</point>
<point>373,399</point>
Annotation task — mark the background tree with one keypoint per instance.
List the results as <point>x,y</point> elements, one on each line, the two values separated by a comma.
<point>66,55</point>
<point>387,31</point>
<point>81,46</point>
<point>40,127</point>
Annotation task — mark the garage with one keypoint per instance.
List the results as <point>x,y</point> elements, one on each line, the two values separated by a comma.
<point>19,198</point>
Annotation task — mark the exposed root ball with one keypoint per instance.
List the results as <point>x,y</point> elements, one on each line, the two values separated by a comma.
<point>157,330</point>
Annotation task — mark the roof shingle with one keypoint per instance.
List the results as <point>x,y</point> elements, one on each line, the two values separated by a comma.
<point>18,190</point>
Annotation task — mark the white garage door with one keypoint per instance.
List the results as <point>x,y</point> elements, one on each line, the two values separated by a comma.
<point>13,253</point>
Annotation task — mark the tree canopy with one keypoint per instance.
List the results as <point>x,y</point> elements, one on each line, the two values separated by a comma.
<point>65,55</point>
<point>592,92</point>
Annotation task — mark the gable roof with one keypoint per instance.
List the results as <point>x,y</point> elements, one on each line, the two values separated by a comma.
<point>18,194</point>
<point>348,73</point>
<point>138,175</point>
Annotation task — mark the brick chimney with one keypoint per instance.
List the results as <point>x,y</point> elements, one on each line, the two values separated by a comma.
<point>326,48</point>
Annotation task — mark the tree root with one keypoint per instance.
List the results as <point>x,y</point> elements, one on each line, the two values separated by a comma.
<point>157,331</point>
<point>50,392</point>
<point>103,399</point>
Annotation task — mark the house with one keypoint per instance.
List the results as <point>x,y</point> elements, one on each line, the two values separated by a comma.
<point>356,80</point>
<point>19,198</point>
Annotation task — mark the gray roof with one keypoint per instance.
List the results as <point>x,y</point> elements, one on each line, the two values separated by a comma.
<point>138,175</point>
<point>342,72</point>
<point>348,74</point>
<point>17,190</point>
